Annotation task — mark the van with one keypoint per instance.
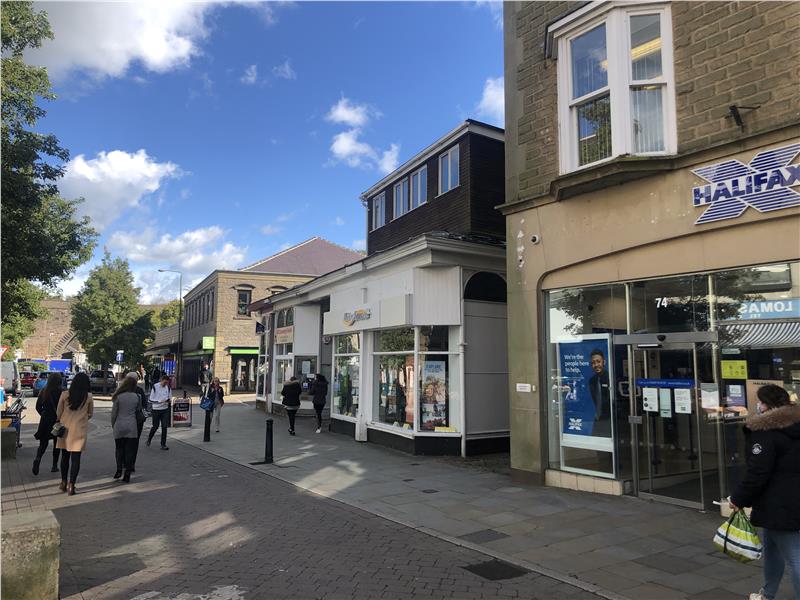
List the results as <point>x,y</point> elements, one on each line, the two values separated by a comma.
<point>10,375</point>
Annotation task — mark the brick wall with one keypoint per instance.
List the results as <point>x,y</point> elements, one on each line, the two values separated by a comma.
<point>58,322</point>
<point>742,53</point>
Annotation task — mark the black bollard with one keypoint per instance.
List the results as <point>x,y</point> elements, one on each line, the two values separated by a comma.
<point>207,427</point>
<point>268,443</point>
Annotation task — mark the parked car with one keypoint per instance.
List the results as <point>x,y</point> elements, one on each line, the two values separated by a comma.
<point>41,380</point>
<point>10,375</point>
<point>27,379</point>
<point>98,379</point>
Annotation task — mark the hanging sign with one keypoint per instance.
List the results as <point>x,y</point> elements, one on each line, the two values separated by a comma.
<point>768,309</point>
<point>683,401</point>
<point>734,369</point>
<point>764,184</point>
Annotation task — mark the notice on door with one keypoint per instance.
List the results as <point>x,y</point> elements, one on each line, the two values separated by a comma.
<point>709,396</point>
<point>683,401</point>
<point>734,369</point>
<point>650,399</point>
<point>665,402</point>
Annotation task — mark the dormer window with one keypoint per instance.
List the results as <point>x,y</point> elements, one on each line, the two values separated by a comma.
<point>419,187</point>
<point>379,211</point>
<point>401,198</point>
<point>615,84</point>
<point>448,170</point>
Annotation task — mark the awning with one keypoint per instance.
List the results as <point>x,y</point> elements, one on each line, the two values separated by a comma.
<point>785,334</point>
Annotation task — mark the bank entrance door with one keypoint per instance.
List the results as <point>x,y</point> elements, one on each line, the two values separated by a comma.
<point>674,444</point>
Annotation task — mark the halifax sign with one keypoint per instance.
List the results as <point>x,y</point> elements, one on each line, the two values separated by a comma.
<point>764,184</point>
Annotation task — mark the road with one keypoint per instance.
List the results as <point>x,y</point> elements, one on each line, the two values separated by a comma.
<point>193,525</point>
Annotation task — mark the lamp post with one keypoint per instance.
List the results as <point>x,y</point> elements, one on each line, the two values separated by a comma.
<point>179,358</point>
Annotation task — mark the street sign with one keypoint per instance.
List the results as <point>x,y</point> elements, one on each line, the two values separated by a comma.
<point>3,350</point>
<point>119,356</point>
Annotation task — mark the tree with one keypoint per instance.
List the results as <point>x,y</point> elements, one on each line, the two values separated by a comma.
<point>167,315</point>
<point>106,316</point>
<point>55,242</point>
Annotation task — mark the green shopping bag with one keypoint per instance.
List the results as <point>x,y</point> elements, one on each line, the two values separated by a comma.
<point>737,538</point>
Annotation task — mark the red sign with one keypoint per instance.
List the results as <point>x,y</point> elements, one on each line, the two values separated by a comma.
<point>3,350</point>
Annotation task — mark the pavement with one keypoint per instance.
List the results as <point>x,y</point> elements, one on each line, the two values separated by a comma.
<point>571,543</point>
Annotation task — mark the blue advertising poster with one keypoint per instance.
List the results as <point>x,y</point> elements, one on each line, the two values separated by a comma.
<point>586,387</point>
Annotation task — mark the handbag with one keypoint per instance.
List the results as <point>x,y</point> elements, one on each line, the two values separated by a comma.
<point>737,538</point>
<point>207,403</point>
<point>58,429</point>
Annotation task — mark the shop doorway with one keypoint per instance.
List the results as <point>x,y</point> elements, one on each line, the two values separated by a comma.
<point>675,417</point>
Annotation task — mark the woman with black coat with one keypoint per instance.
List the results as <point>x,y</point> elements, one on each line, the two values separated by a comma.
<point>319,391</point>
<point>772,486</point>
<point>46,405</point>
<point>291,400</point>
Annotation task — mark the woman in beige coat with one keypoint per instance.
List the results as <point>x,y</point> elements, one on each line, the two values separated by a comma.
<point>74,411</point>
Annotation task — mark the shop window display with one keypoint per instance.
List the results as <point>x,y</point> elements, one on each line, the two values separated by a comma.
<point>347,375</point>
<point>394,377</point>
<point>434,392</point>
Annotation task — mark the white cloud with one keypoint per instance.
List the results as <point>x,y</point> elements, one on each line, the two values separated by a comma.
<point>112,182</point>
<point>338,221</point>
<point>105,38</point>
<point>283,217</point>
<point>284,71</point>
<point>346,147</point>
<point>250,75</point>
<point>360,245</point>
<point>347,113</point>
<point>194,252</point>
<point>271,230</point>
<point>388,161</point>
<point>495,8</point>
<point>492,104</point>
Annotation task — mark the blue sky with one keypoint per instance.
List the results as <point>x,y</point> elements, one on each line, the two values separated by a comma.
<point>209,136</point>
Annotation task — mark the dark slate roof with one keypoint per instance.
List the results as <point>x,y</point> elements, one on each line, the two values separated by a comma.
<point>312,257</point>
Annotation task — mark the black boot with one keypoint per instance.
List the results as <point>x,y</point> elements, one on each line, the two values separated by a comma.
<point>54,468</point>
<point>36,462</point>
<point>118,474</point>
<point>127,477</point>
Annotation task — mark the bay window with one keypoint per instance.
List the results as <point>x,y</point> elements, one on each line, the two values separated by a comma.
<point>615,85</point>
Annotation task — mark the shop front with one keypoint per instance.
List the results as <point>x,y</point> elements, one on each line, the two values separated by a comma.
<point>649,381</point>
<point>415,354</point>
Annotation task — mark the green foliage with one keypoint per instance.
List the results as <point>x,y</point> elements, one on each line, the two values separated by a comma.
<point>21,306</point>
<point>167,315</point>
<point>106,316</point>
<point>42,239</point>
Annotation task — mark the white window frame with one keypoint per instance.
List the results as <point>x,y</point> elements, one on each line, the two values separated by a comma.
<point>620,82</point>
<point>449,156</point>
<point>407,199</point>
<point>378,202</point>
<point>423,192</point>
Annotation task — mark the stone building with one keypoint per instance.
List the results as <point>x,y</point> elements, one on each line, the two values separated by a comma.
<point>53,335</point>
<point>654,282</point>
<point>218,328</point>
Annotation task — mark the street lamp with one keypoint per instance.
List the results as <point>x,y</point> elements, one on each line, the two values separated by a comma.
<point>178,362</point>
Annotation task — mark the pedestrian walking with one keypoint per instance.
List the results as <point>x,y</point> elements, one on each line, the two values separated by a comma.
<point>140,373</point>
<point>160,397</point>
<point>772,486</point>
<point>155,377</point>
<point>75,408</point>
<point>204,380</point>
<point>319,392</point>
<point>291,400</point>
<point>141,414</point>
<point>46,406</point>
<point>217,394</point>
<point>125,404</point>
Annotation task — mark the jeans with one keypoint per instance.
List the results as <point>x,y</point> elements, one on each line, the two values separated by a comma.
<point>292,414</point>
<point>43,448</point>
<point>780,547</point>
<point>139,427</point>
<point>160,417</point>
<point>70,465</point>
<point>126,453</point>
<point>217,414</point>
<point>318,408</point>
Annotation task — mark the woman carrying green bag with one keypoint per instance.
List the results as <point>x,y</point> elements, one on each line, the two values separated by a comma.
<point>772,486</point>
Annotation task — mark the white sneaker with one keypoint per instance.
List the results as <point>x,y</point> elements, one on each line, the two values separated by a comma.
<point>318,430</point>
<point>759,595</point>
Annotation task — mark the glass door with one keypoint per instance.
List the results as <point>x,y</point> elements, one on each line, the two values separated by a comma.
<point>675,442</point>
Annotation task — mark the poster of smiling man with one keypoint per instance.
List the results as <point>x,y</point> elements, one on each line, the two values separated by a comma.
<point>586,392</point>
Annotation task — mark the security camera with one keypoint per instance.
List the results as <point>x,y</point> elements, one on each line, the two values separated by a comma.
<point>535,239</point>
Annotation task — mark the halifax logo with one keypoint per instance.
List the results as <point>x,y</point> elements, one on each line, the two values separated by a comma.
<point>764,184</point>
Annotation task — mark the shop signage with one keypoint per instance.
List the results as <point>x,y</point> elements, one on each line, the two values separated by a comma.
<point>361,314</point>
<point>284,335</point>
<point>209,342</point>
<point>665,383</point>
<point>182,412</point>
<point>764,184</point>
<point>769,309</point>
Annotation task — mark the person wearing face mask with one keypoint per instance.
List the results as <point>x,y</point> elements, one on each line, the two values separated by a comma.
<point>772,486</point>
